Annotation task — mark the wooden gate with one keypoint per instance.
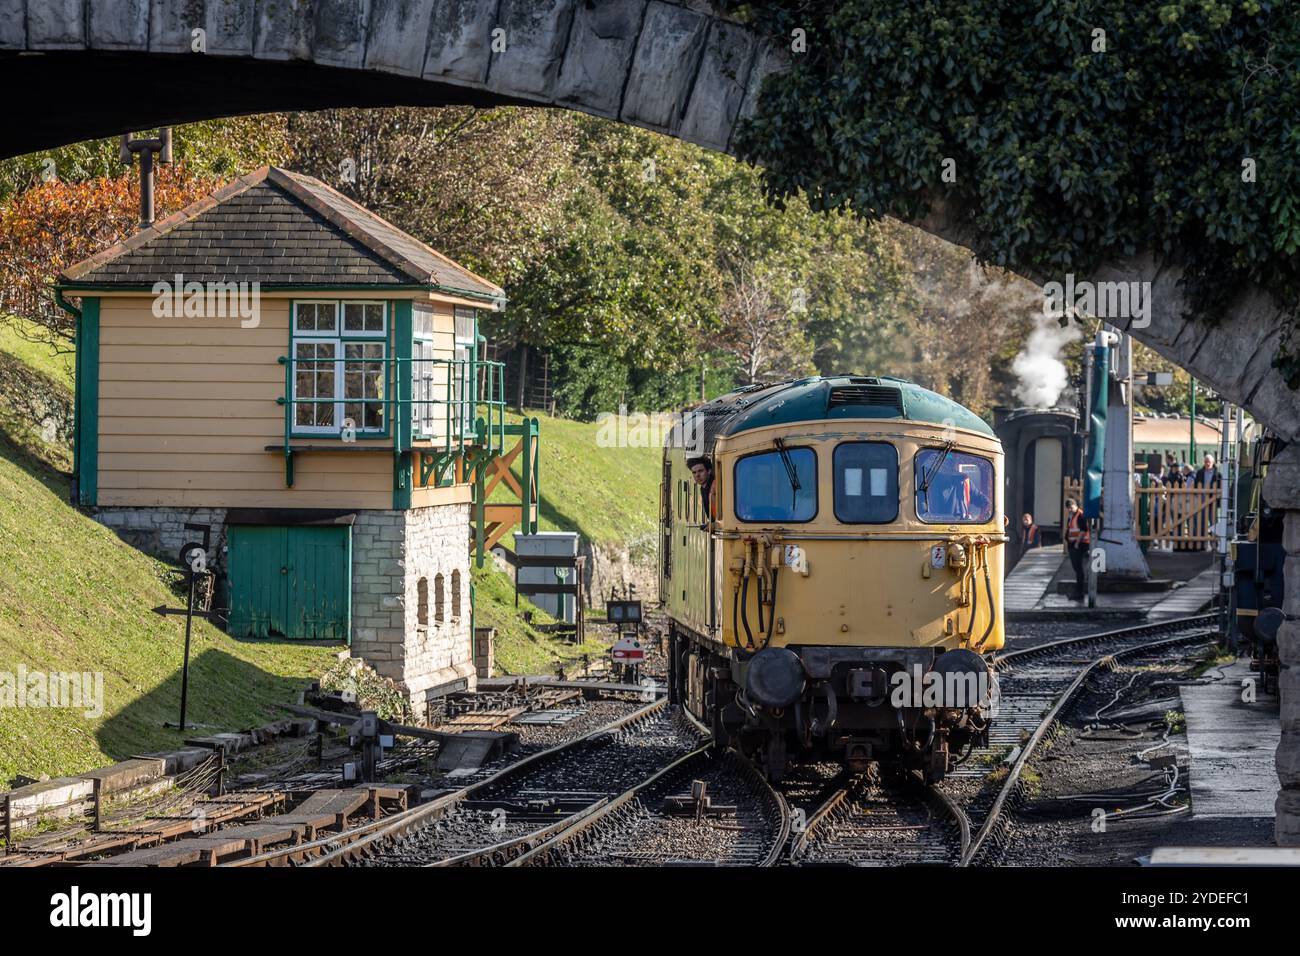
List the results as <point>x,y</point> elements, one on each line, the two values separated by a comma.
<point>1169,517</point>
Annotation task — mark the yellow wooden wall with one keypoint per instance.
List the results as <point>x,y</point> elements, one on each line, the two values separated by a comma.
<point>188,406</point>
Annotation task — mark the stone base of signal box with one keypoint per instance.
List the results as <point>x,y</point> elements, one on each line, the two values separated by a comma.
<point>410,577</point>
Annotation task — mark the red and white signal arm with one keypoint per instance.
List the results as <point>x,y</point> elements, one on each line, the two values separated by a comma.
<point>627,650</point>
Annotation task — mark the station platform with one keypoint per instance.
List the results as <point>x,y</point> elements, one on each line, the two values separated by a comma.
<point>1033,591</point>
<point>1232,745</point>
<point>1029,580</point>
<point>1232,777</point>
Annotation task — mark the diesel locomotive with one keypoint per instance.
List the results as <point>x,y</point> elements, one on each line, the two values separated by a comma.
<point>834,589</point>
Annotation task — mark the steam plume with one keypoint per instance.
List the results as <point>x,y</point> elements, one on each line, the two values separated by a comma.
<point>1039,367</point>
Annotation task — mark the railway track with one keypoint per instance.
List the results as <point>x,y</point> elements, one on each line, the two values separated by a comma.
<point>710,808</point>
<point>644,789</point>
<point>870,822</point>
<point>896,821</point>
<point>494,820</point>
<point>1037,685</point>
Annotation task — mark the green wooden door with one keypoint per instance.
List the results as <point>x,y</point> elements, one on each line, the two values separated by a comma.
<point>259,605</point>
<point>293,582</point>
<point>320,582</point>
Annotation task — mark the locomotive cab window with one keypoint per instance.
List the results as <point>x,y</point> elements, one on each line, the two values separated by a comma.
<point>953,487</point>
<point>777,486</point>
<point>866,482</point>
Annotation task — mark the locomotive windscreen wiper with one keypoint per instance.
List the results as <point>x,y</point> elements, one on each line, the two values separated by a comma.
<point>790,471</point>
<point>934,470</point>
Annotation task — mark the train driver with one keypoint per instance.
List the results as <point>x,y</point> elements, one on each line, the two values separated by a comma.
<point>702,472</point>
<point>956,494</point>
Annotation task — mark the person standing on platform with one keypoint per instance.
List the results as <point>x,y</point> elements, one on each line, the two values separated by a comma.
<point>1207,476</point>
<point>1030,536</point>
<point>1078,543</point>
<point>1173,477</point>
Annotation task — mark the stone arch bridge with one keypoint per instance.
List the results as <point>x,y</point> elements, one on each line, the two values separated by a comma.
<point>78,69</point>
<point>673,66</point>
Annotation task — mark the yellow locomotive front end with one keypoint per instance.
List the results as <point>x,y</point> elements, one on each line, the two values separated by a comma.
<point>841,593</point>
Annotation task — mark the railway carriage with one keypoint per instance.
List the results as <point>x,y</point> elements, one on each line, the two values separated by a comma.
<point>845,598</point>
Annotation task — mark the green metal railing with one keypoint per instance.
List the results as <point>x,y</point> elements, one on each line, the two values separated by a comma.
<point>473,424</point>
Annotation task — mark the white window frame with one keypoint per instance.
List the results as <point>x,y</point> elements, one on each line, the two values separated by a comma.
<point>337,427</point>
<point>364,333</point>
<point>294,331</point>
<point>423,410</point>
<point>462,349</point>
<point>345,400</point>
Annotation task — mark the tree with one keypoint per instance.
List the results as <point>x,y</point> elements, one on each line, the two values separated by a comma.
<point>213,149</point>
<point>968,321</point>
<point>762,333</point>
<point>55,224</point>
<point>482,186</point>
<point>1150,140</point>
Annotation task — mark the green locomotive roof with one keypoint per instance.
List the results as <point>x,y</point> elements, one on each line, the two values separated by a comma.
<point>849,397</point>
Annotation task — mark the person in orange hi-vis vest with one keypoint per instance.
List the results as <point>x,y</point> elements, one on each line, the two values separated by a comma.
<point>1078,543</point>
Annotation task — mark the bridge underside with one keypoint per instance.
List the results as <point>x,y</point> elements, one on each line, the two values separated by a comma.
<point>673,66</point>
<point>94,95</point>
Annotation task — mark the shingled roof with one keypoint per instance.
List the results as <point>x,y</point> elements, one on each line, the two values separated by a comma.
<point>281,229</point>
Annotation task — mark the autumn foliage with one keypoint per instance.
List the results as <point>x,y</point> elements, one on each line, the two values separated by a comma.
<point>55,224</point>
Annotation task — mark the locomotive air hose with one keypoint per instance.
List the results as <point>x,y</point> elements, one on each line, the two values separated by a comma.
<point>744,611</point>
<point>988,587</point>
<point>772,616</point>
<point>815,726</point>
<point>735,609</point>
<point>903,736</point>
<point>974,599</point>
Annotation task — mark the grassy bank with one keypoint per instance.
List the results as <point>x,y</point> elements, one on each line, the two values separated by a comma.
<point>15,340</point>
<point>74,598</point>
<point>609,495</point>
<point>520,647</point>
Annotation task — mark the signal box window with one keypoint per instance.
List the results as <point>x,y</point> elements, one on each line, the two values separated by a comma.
<point>777,486</point>
<point>339,376</point>
<point>866,483</point>
<point>953,487</point>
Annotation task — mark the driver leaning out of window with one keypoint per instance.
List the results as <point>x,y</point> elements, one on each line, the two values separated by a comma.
<point>702,473</point>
